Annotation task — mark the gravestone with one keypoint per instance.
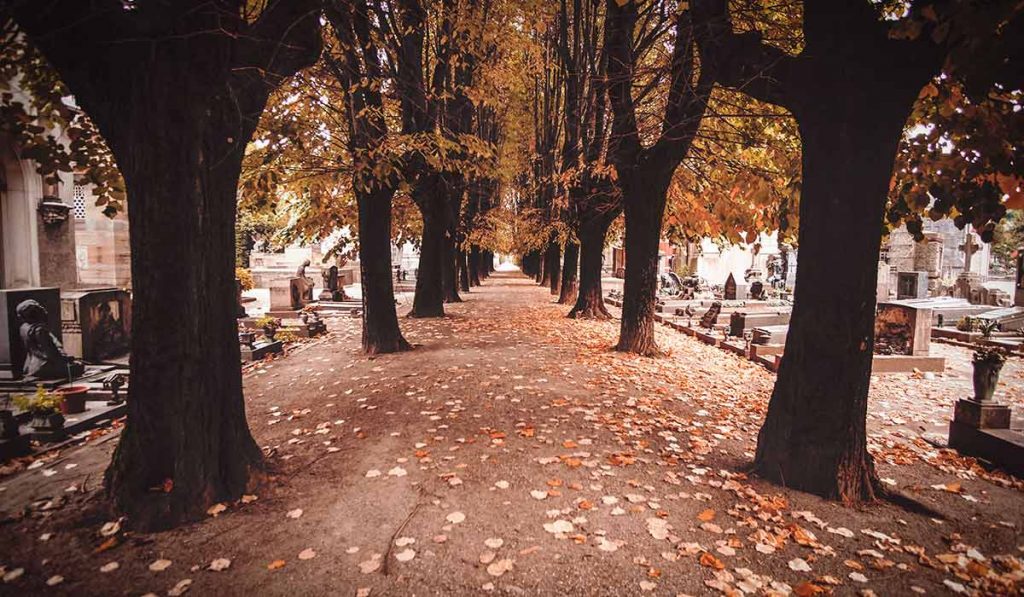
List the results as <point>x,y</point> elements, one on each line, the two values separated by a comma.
<point>96,324</point>
<point>12,350</point>
<point>729,293</point>
<point>911,285</point>
<point>903,329</point>
<point>709,318</point>
<point>332,290</point>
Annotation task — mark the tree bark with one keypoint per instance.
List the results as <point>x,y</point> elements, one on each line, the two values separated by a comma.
<point>463,270</point>
<point>644,204</point>
<point>814,435</point>
<point>381,333</point>
<point>553,266</point>
<point>570,274</point>
<point>590,299</point>
<point>186,416</point>
<point>428,300</point>
<point>474,265</point>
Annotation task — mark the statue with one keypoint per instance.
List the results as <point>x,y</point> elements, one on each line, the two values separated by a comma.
<point>45,357</point>
<point>331,291</point>
<point>110,339</point>
<point>301,287</point>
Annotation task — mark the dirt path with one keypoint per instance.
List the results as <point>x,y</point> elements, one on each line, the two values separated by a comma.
<point>513,453</point>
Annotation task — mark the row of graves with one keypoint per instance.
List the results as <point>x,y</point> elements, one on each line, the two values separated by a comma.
<point>63,363</point>
<point>293,313</point>
<point>756,328</point>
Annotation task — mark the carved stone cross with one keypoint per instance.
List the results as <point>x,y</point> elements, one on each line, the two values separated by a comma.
<point>969,248</point>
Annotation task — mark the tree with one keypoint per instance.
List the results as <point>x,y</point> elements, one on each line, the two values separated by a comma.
<point>851,89</point>
<point>644,173</point>
<point>359,72</point>
<point>176,91</point>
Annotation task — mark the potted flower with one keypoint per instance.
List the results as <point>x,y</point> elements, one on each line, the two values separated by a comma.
<point>44,407</point>
<point>269,325</point>
<point>988,361</point>
<point>72,399</point>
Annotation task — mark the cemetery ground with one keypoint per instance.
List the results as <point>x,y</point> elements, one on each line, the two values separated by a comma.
<point>514,453</point>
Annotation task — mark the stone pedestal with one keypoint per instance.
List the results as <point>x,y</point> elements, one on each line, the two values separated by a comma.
<point>982,415</point>
<point>982,430</point>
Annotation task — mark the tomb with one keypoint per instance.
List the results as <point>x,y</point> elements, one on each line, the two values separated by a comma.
<point>96,324</point>
<point>902,329</point>
<point>903,338</point>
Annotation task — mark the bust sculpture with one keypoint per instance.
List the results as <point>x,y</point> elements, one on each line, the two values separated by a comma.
<point>45,357</point>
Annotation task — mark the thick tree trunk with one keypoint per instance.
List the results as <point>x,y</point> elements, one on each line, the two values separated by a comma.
<point>554,265</point>
<point>381,333</point>
<point>429,298</point>
<point>463,270</point>
<point>488,263</point>
<point>570,275</point>
<point>450,269</point>
<point>644,204</point>
<point>590,302</point>
<point>186,434</point>
<point>814,436</point>
<point>474,265</point>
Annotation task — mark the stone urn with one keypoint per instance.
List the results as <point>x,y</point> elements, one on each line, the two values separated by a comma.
<point>270,331</point>
<point>988,362</point>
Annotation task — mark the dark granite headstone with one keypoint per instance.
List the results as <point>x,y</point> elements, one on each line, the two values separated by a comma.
<point>730,288</point>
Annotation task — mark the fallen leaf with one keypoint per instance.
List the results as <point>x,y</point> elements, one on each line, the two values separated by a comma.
<point>160,565</point>
<point>219,565</point>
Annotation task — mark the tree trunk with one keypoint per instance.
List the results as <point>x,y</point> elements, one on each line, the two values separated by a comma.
<point>543,278</point>
<point>474,265</point>
<point>488,262</point>
<point>463,270</point>
<point>570,277</point>
<point>380,319</point>
<point>186,430</point>
<point>553,267</point>
<point>450,269</point>
<point>814,436</point>
<point>428,300</point>
<point>644,204</point>
<point>590,302</point>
